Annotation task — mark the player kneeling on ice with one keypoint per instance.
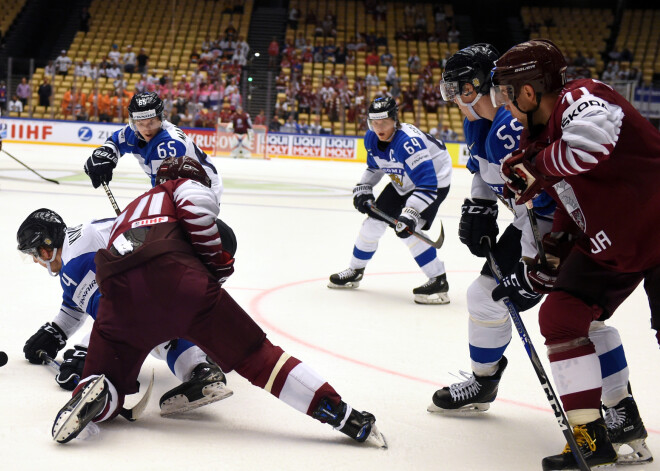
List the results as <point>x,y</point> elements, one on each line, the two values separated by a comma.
<point>167,240</point>
<point>69,253</point>
<point>420,169</point>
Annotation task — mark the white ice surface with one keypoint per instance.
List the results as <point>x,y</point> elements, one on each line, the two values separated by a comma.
<point>295,225</point>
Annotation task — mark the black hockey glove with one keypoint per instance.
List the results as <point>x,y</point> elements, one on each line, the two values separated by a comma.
<point>362,194</point>
<point>72,368</point>
<point>478,221</point>
<point>49,338</point>
<point>518,288</point>
<point>100,165</point>
<point>406,222</point>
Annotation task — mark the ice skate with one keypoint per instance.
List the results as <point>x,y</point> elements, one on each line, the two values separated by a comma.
<point>86,404</point>
<point>360,426</point>
<point>206,385</point>
<point>625,428</point>
<point>594,444</point>
<point>472,395</point>
<point>349,278</point>
<point>433,291</point>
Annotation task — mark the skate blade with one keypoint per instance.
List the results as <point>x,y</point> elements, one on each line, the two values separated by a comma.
<point>439,298</point>
<point>178,404</point>
<point>376,438</point>
<point>639,453</point>
<point>349,285</point>
<point>67,425</point>
<point>470,409</point>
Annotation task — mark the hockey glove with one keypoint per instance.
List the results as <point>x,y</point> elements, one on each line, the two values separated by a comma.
<point>100,165</point>
<point>72,367</point>
<point>557,246</point>
<point>406,222</point>
<point>49,338</point>
<point>518,288</point>
<point>362,194</point>
<point>478,223</point>
<point>224,271</point>
<point>521,175</point>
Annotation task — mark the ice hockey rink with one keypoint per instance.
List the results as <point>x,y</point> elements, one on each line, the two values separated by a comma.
<point>296,225</point>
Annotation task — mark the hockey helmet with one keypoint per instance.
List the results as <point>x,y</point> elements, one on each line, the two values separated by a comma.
<point>471,65</point>
<point>383,108</point>
<point>145,105</point>
<point>42,228</point>
<point>182,167</point>
<point>537,62</point>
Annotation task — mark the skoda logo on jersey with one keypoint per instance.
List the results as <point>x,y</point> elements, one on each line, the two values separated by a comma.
<point>85,133</point>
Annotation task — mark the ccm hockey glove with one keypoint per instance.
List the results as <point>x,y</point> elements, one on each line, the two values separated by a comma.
<point>100,165</point>
<point>72,367</point>
<point>406,222</point>
<point>478,223</point>
<point>518,288</point>
<point>49,338</point>
<point>362,194</point>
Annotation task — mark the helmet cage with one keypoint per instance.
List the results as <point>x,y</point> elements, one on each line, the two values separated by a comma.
<point>173,168</point>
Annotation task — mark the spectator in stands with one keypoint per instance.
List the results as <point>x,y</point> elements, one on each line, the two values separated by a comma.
<point>294,16</point>
<point>610,73</point>
<point>391,75</point>
<point>129,60</point>
<point>15,105</point>
<point>260,119</point>
<point>241,51</point>
<point>386,58</point>
<point>315,127</point>
<point>273,53</point>
<point>340,54</point>
<point>414,63</point>
<point>372,80</point>
<point>435,132</point>
<point>380,13</point>
<point>395,89</point>
<point>420,21</point>
<point>45,91</point>
<point>3,95</point>
<point>448,134</point>
<point>372,58</point>
<point>274,125</point>
<point>430,99</point>
<point>23,91</point>
<point>142,61</point>
<point>452,35</point>
<point>114,56</point>
<point>290,126</point>
<point>85,18</point>
<point>49,69</point>
<point>62,63</point>
<point>302,128</point>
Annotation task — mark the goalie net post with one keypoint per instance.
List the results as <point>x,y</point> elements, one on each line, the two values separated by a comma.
<point>227,141</point>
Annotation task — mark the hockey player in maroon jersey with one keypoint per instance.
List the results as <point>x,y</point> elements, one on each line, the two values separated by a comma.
<point>594,154</point>
<point>241,124</point>
<point>161,277</point>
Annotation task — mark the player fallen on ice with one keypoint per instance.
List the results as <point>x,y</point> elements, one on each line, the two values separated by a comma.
<point>595,154</point>
<point>161,277</point>
<point>419,167</point>
<point>69,253</point>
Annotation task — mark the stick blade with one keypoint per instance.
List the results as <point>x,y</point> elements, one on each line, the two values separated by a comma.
<point>136,411</point>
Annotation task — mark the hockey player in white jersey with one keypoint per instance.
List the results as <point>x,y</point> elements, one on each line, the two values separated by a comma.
<point>69,253</point>
<point>420,169</point>
<point>150,139</point>
<point>491,134</point>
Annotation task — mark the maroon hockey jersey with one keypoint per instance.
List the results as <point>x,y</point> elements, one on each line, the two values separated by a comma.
<point>241,122</point>
<point>609,158</point>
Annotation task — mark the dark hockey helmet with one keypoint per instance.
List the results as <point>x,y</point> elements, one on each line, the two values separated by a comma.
<point>471,65</point>
<point>537,62</point>
<point>145,105</point>
<point>42,228</point>
<point>383,108</point>
<point>182,167</point>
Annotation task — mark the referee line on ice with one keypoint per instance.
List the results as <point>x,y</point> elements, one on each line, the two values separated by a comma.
<point>256,311</point>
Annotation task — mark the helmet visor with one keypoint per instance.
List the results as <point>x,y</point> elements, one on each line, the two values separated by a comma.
<point>502,95</point>
<point>449,90</point>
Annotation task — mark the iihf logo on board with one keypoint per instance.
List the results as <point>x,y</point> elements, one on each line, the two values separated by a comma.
<point>85,133</point>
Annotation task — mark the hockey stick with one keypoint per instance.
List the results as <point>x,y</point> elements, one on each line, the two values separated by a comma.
<point>437,244</point>
<point>131,414</point>
<point>560,415</point>
<point>535,230</point>
<point>113,202</point>
<point>31,169</point>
